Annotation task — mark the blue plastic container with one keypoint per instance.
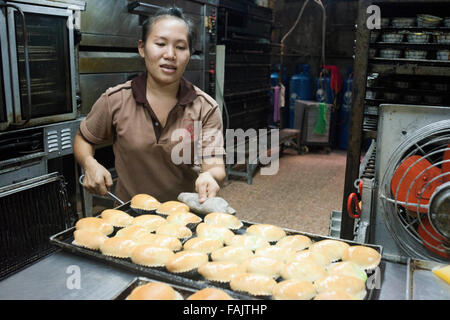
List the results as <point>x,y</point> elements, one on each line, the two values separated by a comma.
<point>300,89</point>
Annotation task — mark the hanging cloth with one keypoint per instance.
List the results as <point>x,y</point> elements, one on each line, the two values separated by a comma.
<point>321,123</point>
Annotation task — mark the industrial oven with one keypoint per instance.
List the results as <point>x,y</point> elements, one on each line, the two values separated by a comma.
<point>38,122</point>
<point>400,125</point>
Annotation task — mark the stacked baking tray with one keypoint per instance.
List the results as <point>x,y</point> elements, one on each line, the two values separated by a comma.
<point>194,280</point>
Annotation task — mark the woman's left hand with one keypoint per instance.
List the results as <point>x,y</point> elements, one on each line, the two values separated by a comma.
<point>206,186</point>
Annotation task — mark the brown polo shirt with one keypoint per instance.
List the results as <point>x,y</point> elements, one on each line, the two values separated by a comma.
<point>144,150</point>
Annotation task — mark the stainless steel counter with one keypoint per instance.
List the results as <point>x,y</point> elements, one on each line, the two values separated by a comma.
<point>64,276</point>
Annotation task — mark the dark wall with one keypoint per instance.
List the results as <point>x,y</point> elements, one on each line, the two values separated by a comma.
<point>304,43</point>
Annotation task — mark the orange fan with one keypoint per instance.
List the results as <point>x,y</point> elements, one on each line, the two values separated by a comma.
<point>417,185</point>
<point>446,165</point>
<point>431,239</point>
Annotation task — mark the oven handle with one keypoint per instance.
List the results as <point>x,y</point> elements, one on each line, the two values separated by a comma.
<point>27,62</point>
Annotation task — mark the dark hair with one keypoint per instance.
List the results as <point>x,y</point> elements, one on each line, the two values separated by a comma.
<point>168,12</point>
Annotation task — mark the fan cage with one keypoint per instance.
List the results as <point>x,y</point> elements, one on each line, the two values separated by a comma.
<point>429,143</point>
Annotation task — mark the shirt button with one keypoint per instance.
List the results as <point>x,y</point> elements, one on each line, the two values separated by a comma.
<point>156,124</point>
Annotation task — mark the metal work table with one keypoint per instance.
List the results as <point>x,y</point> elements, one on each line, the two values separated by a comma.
<point>50,279</point>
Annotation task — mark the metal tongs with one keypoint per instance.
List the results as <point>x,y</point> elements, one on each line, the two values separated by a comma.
<point>109,193</point>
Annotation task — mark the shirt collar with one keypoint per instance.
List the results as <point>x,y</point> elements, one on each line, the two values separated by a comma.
<point>186,91</point>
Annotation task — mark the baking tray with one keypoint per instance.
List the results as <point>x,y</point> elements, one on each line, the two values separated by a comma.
<point>193,279</point>
<point>422,283</point>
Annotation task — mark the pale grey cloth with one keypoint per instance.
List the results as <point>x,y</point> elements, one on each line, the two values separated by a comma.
<point>215,204</point>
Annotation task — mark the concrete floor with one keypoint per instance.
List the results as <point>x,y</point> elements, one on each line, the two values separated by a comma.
<point>300,196</point>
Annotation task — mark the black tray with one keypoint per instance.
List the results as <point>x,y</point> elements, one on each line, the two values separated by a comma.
<point>192,279</point>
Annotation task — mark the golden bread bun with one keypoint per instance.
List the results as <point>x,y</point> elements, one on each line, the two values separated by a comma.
<point>296,242</point>
<point>317,257</point>
<point>161,241</point>
<point>334,295</point>
<point>210,294</point>
<point>306,270</point>
<point>347,268</point>
<point>266,231</point>
<point>333,249</point>
<point>231,254</point>
<point>149,221</point>
<point>117,218</point>
<point>212,231</point>
<point>94,224</point>
<point>255,284</point>
<point>274,252</point>
<point>118,247</point>
<point>183,218</point>
<point>294,290</point>
<point>248,241</point>
<point>150,256</point>
<point>223,220</point>
<point>220,271</point>
<point>90,239</point>
<point>132,232</point>
<point>351,285</point>
<point>154,291</point>
<point>174,230</point>
<point>204,245</point>
<point>186,261</point>
<point>144,201</point>
<point>169,207</point>
<point>367,258</point>
<point>263,265</point>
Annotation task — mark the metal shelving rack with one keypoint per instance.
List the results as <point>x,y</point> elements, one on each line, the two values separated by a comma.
<point>364,112</point>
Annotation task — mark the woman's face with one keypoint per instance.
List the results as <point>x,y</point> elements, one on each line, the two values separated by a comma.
<point>166,50</point>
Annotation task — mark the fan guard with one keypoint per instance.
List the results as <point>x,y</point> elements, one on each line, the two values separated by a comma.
<point>415,193</point>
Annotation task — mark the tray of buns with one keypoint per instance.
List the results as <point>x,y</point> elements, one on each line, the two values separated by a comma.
<point>246,260</point>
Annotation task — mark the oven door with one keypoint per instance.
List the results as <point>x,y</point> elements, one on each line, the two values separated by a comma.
<point>6,107</point>
<point>51,62</point>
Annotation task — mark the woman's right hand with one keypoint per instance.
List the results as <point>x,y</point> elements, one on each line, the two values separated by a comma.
<point>97,179</point>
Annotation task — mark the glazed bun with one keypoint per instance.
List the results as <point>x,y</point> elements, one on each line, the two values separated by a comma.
<point>145,202</point>
<point>149,256</point>
<point>204,245</point>
<point>184,261</point>
<point>161,241</point>
<point>350,285</point>
<point>263,265</point>
<point>231,254</point>
<point>306,270</point>
<point>254,284</point>
<point>294,290</point>
<point>295,242</point>
<point>367,258</point>
<point>90,239</point>
<point>248,241</point>
<point>118,247</point>
<point>132,232</point>
<point>333,249</point>
<point>213,231</point>
<point>149,221</point>
<point>183,218</point>
<point>220,271</point>
<point>154,291</point>
<point>169,207</point>
<point>174,230</point>
<point>347,268</point>
<point>94,224</point>
<point>210,294</point>
<point>224,220</point>
<point>274,252</point>
<point>316,257</point>
<point>117,218</point>
<point>266,231</point>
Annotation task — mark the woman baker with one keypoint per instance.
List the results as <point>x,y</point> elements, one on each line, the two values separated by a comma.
<point>150,117</point>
